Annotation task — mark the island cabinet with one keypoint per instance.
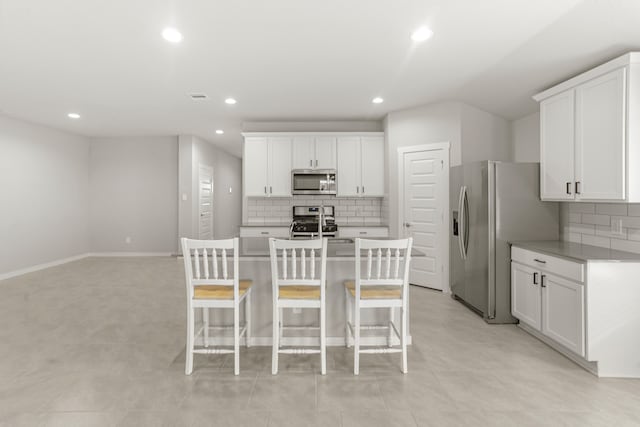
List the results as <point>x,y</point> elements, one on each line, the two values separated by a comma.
<point>590,135</point>
<point>360,166</point>
<point>267,162</point>
<point>585,308</point>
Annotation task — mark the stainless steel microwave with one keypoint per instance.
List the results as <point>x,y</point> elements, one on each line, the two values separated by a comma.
<point>313,181</point>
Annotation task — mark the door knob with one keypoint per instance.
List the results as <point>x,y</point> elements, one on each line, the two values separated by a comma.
<point>407,224</point>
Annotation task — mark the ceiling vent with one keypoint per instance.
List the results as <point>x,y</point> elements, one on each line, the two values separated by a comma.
<point>198,96</point>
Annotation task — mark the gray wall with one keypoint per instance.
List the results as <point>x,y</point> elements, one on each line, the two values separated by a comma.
<point>227,173</point>
<point>525,133</point>
<point>134,183</point>
<point>43,195</point>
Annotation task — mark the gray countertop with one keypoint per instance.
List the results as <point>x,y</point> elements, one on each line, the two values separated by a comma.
<point>577,251</point>
<point>257,247</point>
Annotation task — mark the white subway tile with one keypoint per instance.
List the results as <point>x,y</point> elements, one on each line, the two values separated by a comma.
<point>582,228</point>
<point>633,234</point>
<point>634,210</point>
<point>372,221</point>
<point>611,209</point>
<point>596,219</point>
<point>574,218</point>
<point>605,231</point>
<point>573,237</point>
<point>628,221</point>
<point>363,202</point>
<point>582,208</point>
<point>603,242</point>
<point>625,245</point>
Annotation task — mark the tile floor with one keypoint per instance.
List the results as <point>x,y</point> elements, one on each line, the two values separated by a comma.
<point>100,342</point>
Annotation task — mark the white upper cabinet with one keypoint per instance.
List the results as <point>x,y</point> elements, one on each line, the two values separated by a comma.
<point>325,152</point>
<point>556,148</point>
<point>303,152</point>
<point>314,152</point>
<point>590,135</point>
<point>256,153</point>
<point>361,166</point>
<point>267,167</point>
<point>348,176</point>
<point>372,149</point>
<point>600,137</point>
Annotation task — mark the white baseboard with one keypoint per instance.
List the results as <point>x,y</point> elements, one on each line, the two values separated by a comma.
<point>130,254</point>
<point>39,267</point>
<point>297,341</point>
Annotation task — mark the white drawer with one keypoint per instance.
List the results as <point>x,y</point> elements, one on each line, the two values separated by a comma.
<point>364,232</point>
<point>559,266</point>
<point>281,232</point>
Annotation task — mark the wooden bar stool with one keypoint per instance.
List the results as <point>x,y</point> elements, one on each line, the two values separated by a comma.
<point>209,285</point>
<point>387,288</point>
<point>297,286</point>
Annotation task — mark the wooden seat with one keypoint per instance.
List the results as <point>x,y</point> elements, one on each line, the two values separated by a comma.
<point>298,279</point>
<point>383,283</point>
<point>374,292</point>
<point>211,269</point>
<point>220,291</point>
<point>299,292</point>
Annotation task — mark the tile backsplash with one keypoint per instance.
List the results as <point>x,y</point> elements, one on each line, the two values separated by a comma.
<point>349,211</point>
<point>609,225</point>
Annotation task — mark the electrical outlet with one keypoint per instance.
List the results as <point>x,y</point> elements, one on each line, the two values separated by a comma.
<point>297,310</point>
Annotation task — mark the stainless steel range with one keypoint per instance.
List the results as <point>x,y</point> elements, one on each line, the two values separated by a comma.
<point>307,219</point>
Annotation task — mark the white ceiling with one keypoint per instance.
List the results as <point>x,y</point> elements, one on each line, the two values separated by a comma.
<point>290,59</point>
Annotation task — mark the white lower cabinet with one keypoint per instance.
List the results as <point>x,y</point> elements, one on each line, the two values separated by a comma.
<point>547,302</point>
<point>563,312</point>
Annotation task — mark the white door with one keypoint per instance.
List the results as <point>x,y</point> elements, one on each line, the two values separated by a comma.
<point>525,295</point>
<point>348,172</point>
<point>372,160</point>
<point>563,312</point>
<point>425,189</point>
<point>600,137</point>
<point>256,165</point>
<point>280,167</point>
<point>303,148</point>
<point>325,152</point>
<point>205,202</point>
<point>557,147</point>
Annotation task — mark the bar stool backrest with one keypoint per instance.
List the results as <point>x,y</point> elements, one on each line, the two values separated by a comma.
<point>385,263</point>
<point>298,263</point>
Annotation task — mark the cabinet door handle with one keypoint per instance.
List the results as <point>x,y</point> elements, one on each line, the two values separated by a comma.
<point>310,163</point>
<point>270,189</point>
<point>358,189</point>
<point>316,162</point>
<point>535,278</point>
<point>568,188</point>
<point>363,189</point>
<point>540,261</point>
<point>542,281</point>
<point>265,189</point>
<point>577,187</point>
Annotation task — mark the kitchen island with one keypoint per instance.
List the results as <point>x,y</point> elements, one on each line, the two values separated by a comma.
<point>255,265</point>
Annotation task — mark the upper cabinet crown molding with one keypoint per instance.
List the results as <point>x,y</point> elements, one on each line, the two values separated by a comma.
<point>319,134</point>
<point>590,135</point>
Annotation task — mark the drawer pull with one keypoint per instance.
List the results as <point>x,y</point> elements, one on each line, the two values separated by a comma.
<point>540,261</point>
<point>363,232</point>
<point>264,232</point>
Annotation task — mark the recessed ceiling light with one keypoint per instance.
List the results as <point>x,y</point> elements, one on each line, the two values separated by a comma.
<point>172,35</point>
<point>230,101</point>
<point>73,115</point>
<point>377,100</point>
<point>219,131</point>
<point>421,34</point>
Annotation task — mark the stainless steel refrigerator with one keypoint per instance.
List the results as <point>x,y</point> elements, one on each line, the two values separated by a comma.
<point>493,203</point>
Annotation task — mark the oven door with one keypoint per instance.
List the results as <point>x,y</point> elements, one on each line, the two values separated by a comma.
<point>313,182</point>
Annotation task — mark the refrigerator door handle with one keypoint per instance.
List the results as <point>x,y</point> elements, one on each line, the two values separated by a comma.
<point>462,233</point>
<point>466,223</point>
